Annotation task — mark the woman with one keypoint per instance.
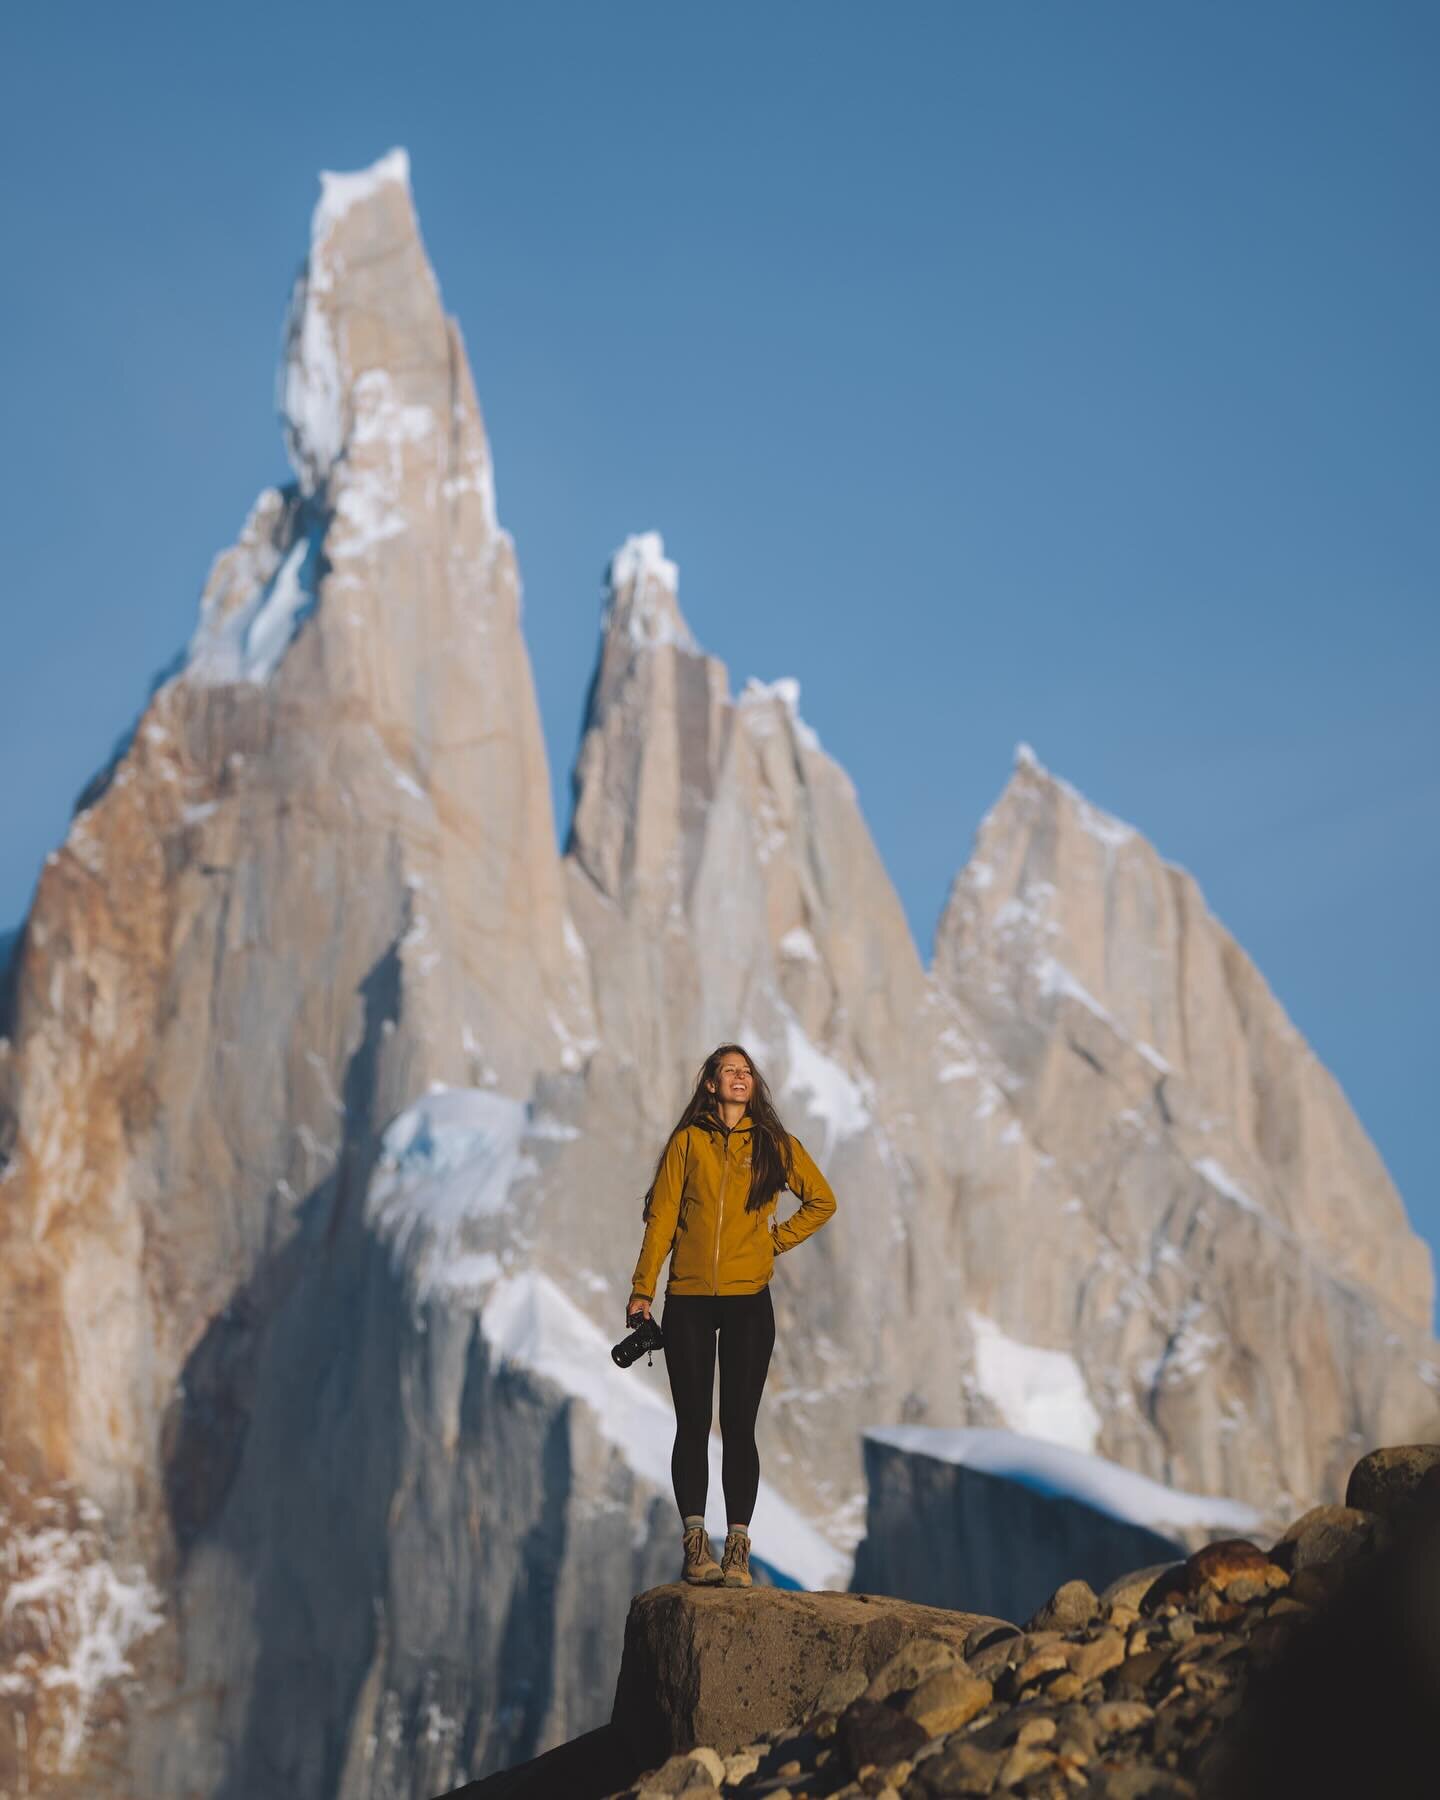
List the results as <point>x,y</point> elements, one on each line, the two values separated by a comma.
<point>712,1202</point>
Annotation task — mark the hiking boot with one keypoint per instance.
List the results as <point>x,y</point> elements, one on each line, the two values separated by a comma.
<point>735,1559</point>
<point>700,1566</point>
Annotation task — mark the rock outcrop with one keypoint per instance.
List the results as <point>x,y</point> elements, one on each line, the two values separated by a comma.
<point>1311,1668</point>
<point>329,1087</point>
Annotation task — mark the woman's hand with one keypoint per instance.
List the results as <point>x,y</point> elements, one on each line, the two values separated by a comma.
<point>635,1310</point>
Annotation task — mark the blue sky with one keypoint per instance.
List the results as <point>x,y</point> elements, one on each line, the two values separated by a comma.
<point>1007,371</point>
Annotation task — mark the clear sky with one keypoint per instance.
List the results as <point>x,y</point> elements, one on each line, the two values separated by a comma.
<point>1004,371</point>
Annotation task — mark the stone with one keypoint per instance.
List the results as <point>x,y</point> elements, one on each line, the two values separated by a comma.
<point>1129,1590</point>
<point>756,1659</point>
<point>1097,1656</point>
<point>675,1776</point>
<point>961,1768</point>
<point>710,1761</point>
<point>1070,1607</point>
<point>1116,1717</point>
<point>1388,1481</point>
<point>947,1700</point>
<point>910,1665</point>
<point>1327,1534</point>
<point>871,1732</point>
<point>1021,1761</point>
<point>1064,1687</point>
<point>839,1689</point>
<point>739,1765</point>
<point>987,1635</point>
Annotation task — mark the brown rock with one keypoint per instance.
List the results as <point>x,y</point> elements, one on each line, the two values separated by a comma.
<point>1327,1534</point>
<point>1214,1567</point>
<point>1022,1761</point>
<point>1388,1481</point>
<point>961,1768</point>
<point>723,1666</point>
<point>985,1636</point>
<point>910,1665</point>
<point>947,1700</point>
<point>1115,1717</point>
<point>871,1732</point>
<point>1065,1687</point>
<point>1068,1609</point>
<point>1129,1590</point>
<point>1137,1672</point>
<point>1092,1660</point>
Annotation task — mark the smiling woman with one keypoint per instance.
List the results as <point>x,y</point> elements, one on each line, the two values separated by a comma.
<point>711,1209</point>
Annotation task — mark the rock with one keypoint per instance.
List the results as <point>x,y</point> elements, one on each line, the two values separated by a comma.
<point>1137,1672</point>
<point>984,1636</point>
<point>947,1700</point>
<point>871,1732</point>
<point>1006,1653</point>
<point>721,1666</point>
<point>961,1768</point>
<point>1214,1567</point>
<point>1140,1783</point>
<point>1388,1481</point>
<point>1327,1534</point>
<point>737,1767</point>
<point>1045,1661</point>
<point>910,1665</point>
<point>839,1689</point>
<point>1129,1590</point>
<point>710,1761</point>
<point>1021,1761</point>
<point>1064,1687</point>
<point>1116,1717</point>
<point>675,1776</point>
<point>1071,1606</point>
<point>1093,1659</point>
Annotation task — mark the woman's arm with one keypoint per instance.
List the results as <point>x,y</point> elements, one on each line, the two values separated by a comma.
<point>660,1220</point>
<point>817,1200</point>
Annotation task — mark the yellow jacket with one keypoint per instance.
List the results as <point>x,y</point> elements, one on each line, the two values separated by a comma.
<point>698,1211</point>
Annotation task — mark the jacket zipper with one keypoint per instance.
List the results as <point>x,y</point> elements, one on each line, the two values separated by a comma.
<point>720,1220</point>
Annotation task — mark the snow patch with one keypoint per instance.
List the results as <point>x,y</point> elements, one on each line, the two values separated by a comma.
<point>232,644</point>
<point>1067,1473</point>
<point>831,1093</point>
<point>786,690</point>
<point>797,945</point>
<point>65,1598</point>
<point>340,191</point>
<point>446,1161</point>
<point>643,584</point>
<point>1040,1393</point>
<point>529,1320</point>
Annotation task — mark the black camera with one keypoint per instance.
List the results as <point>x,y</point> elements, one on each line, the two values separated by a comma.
<point>644,1339</point>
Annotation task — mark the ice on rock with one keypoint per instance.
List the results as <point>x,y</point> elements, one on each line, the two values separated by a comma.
<point>641,594</point>
<point>756,695</point>
<point>1067,1472</point>
<point>446,1161</point>
<point>1040,1393</point>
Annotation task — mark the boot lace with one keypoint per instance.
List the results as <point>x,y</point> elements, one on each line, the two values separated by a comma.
<point>737,1552</point>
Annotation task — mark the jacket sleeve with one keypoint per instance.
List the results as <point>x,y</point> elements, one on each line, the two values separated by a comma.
<point>817,1200</point>
<point>661,1219</point>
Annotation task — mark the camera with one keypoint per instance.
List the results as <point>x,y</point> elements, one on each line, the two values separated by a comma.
<point>643,1340</point>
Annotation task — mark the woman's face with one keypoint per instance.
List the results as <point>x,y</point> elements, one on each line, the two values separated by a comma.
<point>733,1079</point>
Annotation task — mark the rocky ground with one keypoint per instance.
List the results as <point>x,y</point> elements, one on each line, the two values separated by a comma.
<point>1310,1668</point>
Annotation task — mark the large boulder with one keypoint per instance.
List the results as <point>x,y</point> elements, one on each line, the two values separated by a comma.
<point>722,1666</point>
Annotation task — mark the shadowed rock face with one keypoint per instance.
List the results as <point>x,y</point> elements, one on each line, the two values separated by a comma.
<point>952,1537</point>
<point>1091,1182</point>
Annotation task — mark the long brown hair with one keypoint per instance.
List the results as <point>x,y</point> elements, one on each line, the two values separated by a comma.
<point>771,1158</point>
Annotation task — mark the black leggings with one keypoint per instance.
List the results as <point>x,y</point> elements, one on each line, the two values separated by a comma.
<point>746,1324</point>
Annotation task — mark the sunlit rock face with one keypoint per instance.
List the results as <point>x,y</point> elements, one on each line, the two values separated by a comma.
<point>330,1086</point>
